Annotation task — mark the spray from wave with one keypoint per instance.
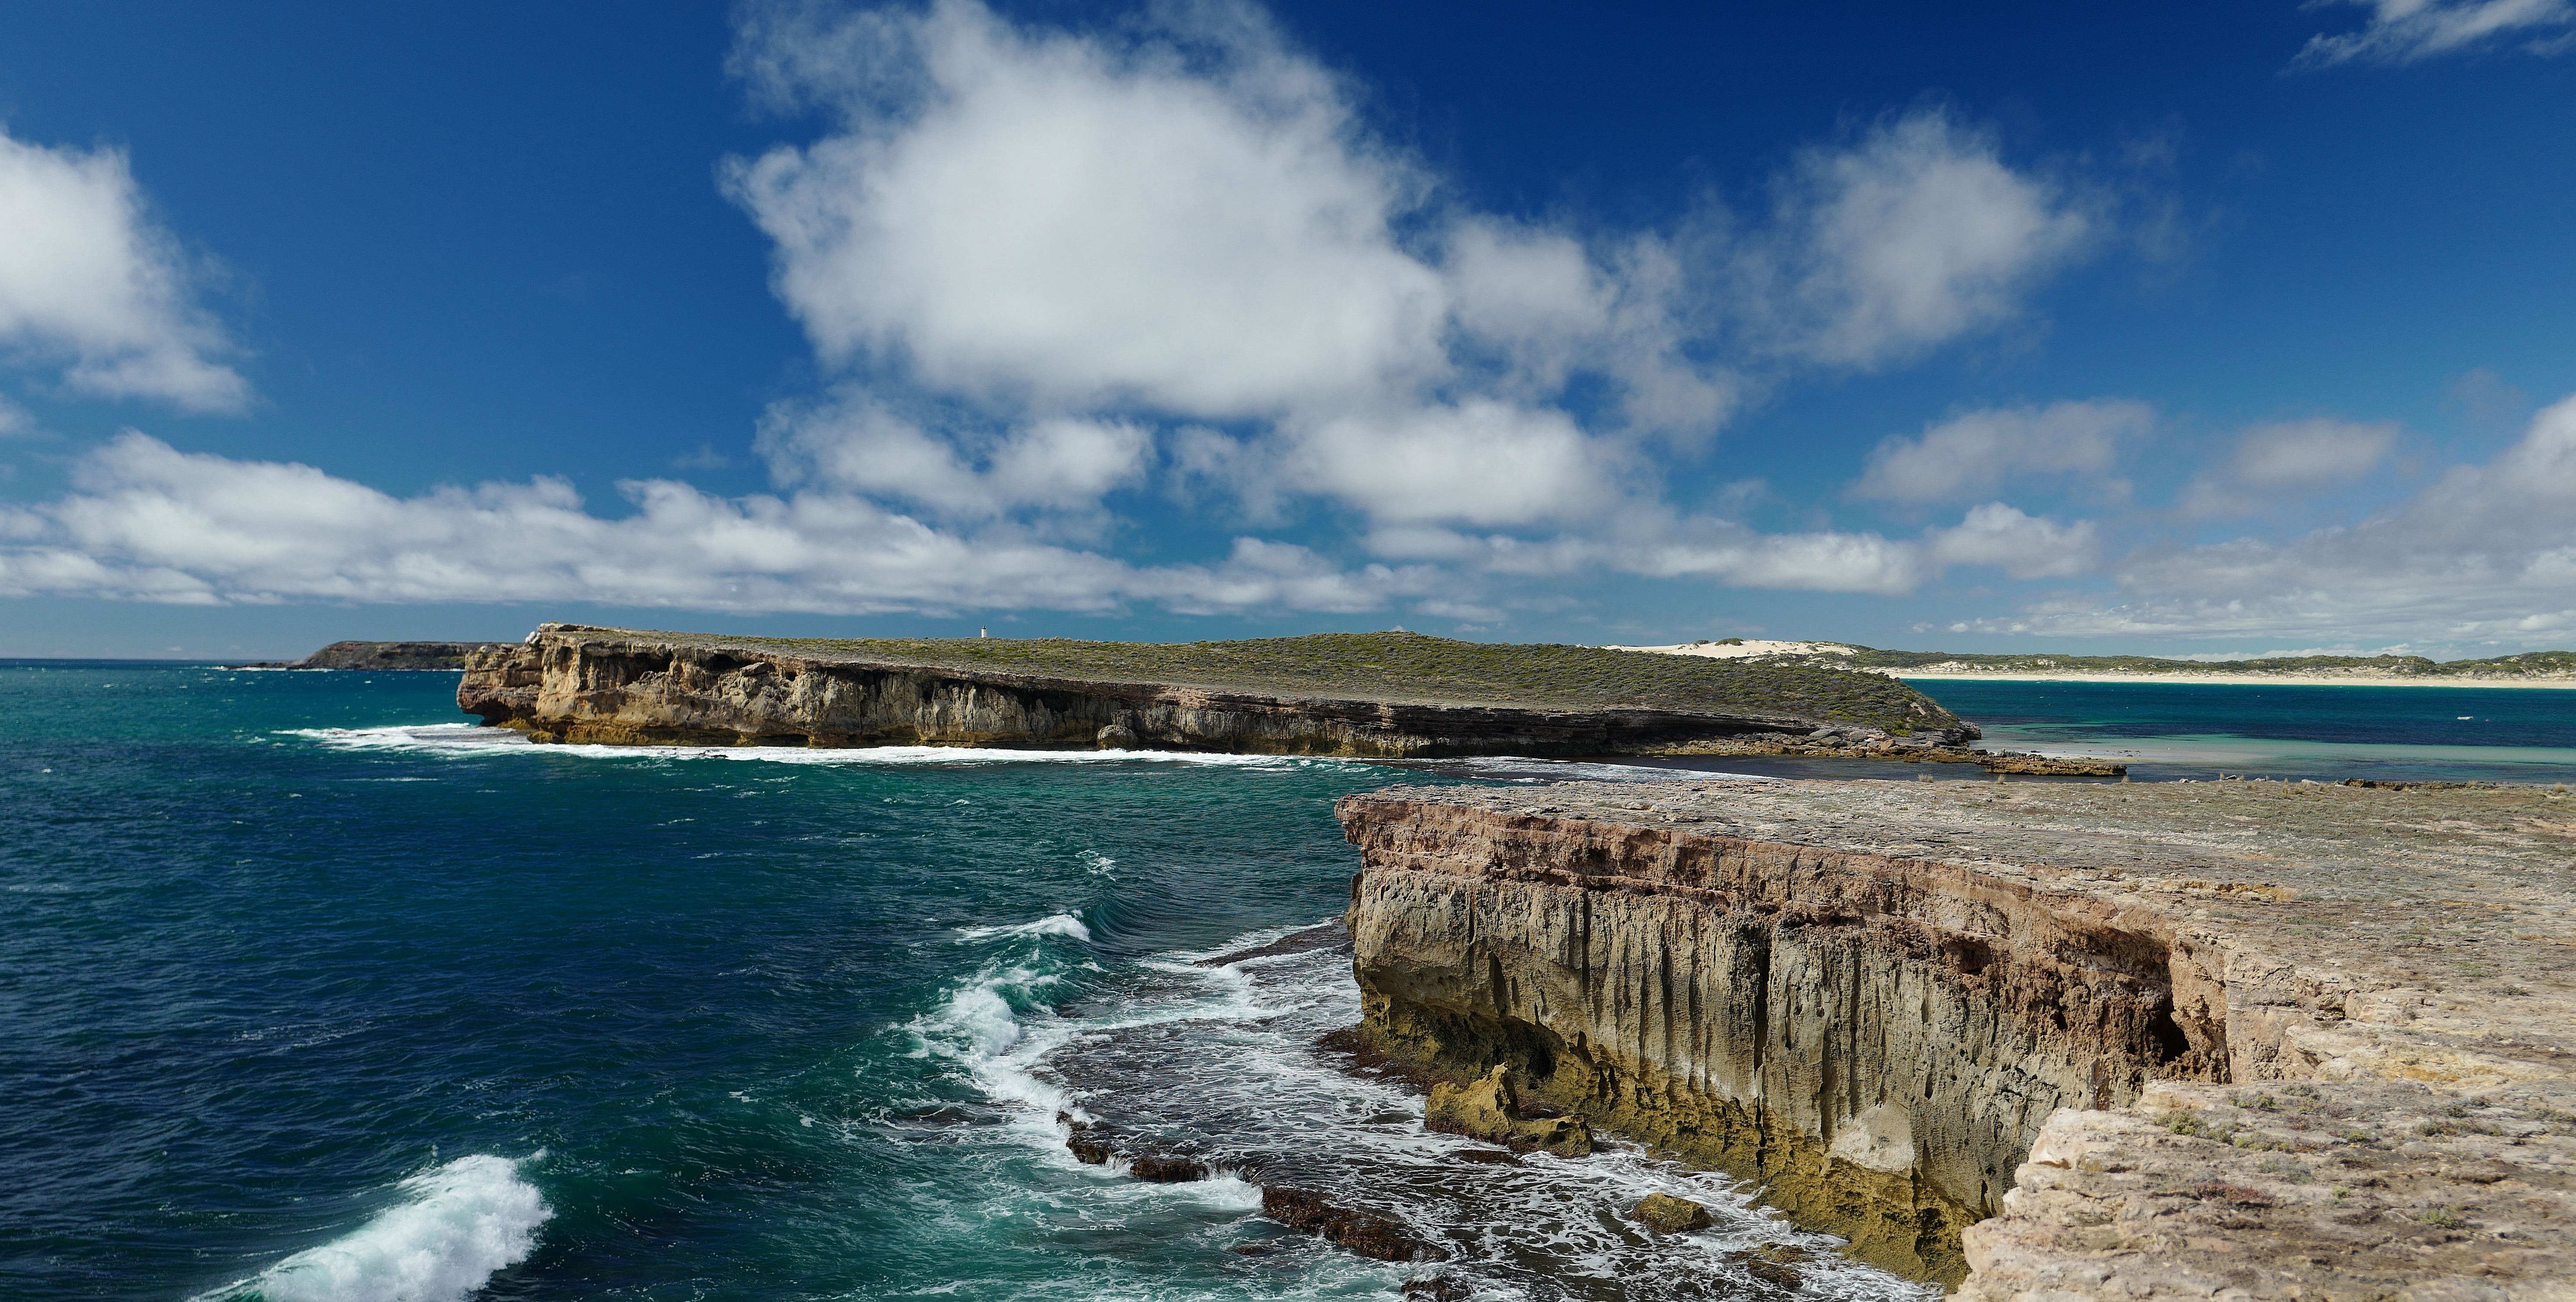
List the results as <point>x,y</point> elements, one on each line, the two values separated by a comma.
<point>453,1230</point>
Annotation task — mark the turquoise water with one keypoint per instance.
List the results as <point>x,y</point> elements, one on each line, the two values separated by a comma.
<point>2200,730</point>
<point>313,993</point>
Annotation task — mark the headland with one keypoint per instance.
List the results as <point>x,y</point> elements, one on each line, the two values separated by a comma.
<point>2231,1039</point>
<point>447,657</point>
<point>1376,695</point>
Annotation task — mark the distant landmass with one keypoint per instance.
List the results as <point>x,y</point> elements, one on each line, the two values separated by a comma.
<point>2530,668</point>
<point>447,656</point>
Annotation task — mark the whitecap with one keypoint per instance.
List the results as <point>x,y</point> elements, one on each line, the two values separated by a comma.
<point>477,739</point>
<point>454,1228</point>
<point>1054,924</point>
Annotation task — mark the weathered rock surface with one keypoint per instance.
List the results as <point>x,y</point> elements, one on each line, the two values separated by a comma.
<point>1488,1110</point>
<point>1366,1233</point>
<point>1666,1214</point>
<point>2045,1042</point>
<point>2069,766</point>
<point>575,684</point>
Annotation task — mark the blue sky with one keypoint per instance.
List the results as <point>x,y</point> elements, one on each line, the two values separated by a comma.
<point>2191,329</point>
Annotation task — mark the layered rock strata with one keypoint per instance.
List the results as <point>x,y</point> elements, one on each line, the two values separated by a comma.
<point>574,684</point>
<point>2072,1041</point>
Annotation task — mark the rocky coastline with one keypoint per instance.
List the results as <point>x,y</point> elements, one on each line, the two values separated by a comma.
<point>2246,1040</point>
<point>577,684</point>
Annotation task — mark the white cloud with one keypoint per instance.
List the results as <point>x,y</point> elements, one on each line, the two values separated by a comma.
<point>1479,462</point>
<point>2407,31</point>
<point>89,285</point>
<point>1074,221</point>
<point>147,522</point>
<point>1042,267</point>
<point>1970,455</point>
<point>2023,546</point>
<point>2274,464</point>
<point>1181,220</point>
<point>855,443</point>
<point>2485,551</point>
<point>1919,234</point>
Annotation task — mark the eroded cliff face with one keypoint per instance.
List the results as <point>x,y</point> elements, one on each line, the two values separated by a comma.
<point>1880,1010</point>
<point>570,684</point>
<point>1877,1039</point>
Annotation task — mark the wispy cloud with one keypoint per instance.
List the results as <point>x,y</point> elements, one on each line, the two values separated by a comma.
<point>2275,465</point>
<point>1972,454</point>
<point>2410,31</point>
<point>2484,551</point>
<point>92,290</point>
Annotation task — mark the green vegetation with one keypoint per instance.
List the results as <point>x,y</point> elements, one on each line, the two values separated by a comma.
<point>1407,667</point>
<point>2530,664</point>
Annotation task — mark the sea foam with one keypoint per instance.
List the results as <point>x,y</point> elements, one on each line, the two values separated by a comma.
<point>452,1230</point>
<point>476,739</point>
<point>1054,924</point>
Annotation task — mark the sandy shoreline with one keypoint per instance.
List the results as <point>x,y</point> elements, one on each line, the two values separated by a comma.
<point>2230,680</point>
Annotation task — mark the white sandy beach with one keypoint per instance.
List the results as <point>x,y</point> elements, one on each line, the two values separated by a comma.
<point>1756,648</point>
<point>2321,678</point>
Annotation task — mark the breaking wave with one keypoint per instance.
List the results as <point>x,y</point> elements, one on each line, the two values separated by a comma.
<point>452,1230</point>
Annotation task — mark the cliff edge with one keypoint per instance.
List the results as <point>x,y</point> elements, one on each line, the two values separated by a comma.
<point>1385,695</point>
<point>2237,1040</point>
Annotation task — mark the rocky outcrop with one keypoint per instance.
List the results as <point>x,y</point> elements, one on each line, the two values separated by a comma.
<point>1490,1110</point>
<point>2063,766</point>
<point>1665,1214</point>
<point>2062,1047</point>
<point>574,684</point>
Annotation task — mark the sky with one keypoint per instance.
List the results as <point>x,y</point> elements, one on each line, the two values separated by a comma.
<point>2196,329</point>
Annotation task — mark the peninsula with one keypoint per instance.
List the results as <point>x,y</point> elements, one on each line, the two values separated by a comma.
<point>445,657</point>
<point>2184,1040</point>
<point>2528,669</point>
<point>1380,695</point>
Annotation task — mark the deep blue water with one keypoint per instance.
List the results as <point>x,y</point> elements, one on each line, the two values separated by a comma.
<point>310,992</point>
<point>2504,734</point>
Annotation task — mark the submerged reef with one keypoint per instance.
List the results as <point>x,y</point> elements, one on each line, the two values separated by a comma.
<point>1390,695</point>
<point>2084,1041</point>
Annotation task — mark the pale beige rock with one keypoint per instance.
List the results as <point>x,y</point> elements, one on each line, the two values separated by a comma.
<point>2101,1037</point>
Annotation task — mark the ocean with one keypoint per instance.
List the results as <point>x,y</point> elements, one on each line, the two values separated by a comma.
<point>313,993</point>
<point>2325,733</point>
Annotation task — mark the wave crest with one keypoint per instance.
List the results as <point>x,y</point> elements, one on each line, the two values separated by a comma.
<point>454,1229</point>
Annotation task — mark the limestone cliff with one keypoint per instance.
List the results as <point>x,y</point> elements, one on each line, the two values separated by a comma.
<point>575,684</point>
<point>1906,1015</point>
